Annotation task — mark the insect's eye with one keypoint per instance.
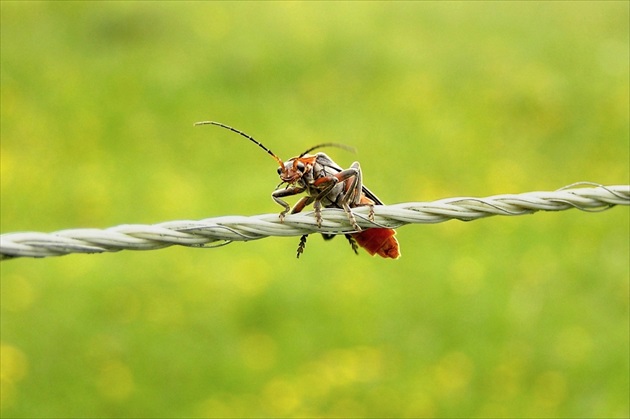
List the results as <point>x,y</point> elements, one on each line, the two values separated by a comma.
<point>301,167</point>
<point>279,170</point>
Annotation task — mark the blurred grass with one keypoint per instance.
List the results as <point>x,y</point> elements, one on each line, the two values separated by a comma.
<point>519,317</point>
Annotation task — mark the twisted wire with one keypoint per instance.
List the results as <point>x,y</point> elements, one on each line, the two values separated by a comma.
<point>218,231</point>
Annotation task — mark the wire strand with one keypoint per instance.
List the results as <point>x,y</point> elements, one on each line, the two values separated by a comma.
<point>219,231</point>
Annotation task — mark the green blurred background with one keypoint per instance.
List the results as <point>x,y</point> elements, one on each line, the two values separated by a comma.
<point>512,317</point>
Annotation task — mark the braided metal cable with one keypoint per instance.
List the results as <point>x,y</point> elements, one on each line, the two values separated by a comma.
<point>213,232</point>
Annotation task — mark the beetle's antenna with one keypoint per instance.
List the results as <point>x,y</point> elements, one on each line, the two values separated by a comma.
<point>342,146</point>
<point>249,137</point>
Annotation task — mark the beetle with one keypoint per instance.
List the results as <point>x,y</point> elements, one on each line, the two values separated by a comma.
<point>327,185</point>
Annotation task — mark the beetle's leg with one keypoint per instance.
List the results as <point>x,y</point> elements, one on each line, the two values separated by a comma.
<point>299,206</point>
<point>280,193</point>
<point>317,206</point>
<point>350,215</point>
<point>354,188</point>
<point>352,196</point>
<point>365,201</point>
<point>327,183</point>
<point>351,240</point>
<point>353,243</point>
<point>302,245</point>
<point>352,191</point>
<point>357,198</point>
<point>303,202</point>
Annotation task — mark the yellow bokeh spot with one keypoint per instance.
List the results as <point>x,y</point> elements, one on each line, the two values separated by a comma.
<point>336,369</point>
<point>573,345</point>
<point>13,363</point>
<point>115,381</point>
<point>341,367</point>
<point>311,378</point>
<point>282,397</point>
<point>13,368</point>
<point>421,406</point>
<point>215,408</point>
<point>347,408</point>
<point>549,392</point>
<point>6,167</point>
<point>452,373</point>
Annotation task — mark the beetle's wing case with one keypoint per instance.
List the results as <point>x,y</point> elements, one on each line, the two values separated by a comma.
<point>368,193</point>
<point>328,163</point>
<point>328,166</point>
